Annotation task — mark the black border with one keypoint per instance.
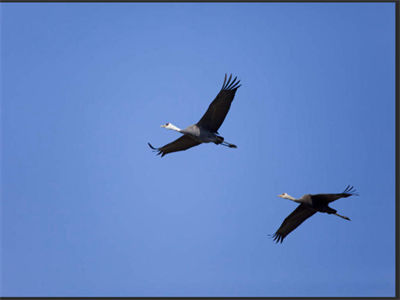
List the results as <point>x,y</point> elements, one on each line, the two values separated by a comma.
<point>202,1</point>
<point>397,195</point>
<point>397,124</point>
<point>200,298</point>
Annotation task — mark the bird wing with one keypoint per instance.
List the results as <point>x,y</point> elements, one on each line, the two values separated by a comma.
<point>183,143</point>
<point>218,109</point>
<point>298,216</point>
<point>327,198</point>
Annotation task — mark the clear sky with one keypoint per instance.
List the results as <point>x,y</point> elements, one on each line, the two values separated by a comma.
<point>89,210</point>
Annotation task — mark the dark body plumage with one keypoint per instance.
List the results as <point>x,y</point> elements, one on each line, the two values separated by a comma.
<point>206,130</point>
<point>309,205</point>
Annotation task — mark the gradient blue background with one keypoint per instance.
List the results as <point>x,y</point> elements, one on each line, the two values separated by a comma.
<point>89,210</point>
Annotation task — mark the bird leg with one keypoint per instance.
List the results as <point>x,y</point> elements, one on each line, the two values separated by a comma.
<point>228,144</point>
<point>344,217</point>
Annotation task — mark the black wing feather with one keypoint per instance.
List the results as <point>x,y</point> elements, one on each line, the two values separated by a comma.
<point>183,143</point>
<point>218,109</point>
<point>327,198</point>
<point>298,216</point>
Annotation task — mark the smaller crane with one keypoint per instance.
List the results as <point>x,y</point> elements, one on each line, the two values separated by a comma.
<point>309,205</point>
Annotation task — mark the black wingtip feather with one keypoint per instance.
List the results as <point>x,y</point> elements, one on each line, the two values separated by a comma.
<point>229,79</point>
<point>224,81</point>
<point>350,191</point>
<point>229,85</point>
<point>156,150</point>
<point>278,238</point>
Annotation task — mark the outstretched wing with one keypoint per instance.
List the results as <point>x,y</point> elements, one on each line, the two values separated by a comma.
<point>218,109</point>
<point>183,143</point>
<point>298,216</point>
<point>327,198</point>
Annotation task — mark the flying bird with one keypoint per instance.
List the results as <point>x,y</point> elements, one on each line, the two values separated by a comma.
<point>205,130</point>
<point>309,205</point>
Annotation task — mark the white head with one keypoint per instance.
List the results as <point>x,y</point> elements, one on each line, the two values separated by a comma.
<point>287,196</point>
<point>170,126</point>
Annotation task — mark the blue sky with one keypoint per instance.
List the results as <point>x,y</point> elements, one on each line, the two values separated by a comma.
<point>87,208</point>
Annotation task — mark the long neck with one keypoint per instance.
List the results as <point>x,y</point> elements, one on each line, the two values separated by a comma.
<point>290,197</point>
<point>173,127</point>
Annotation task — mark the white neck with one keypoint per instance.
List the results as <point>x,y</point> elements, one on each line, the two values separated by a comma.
<point>172,127</point>
<point>289,197</point>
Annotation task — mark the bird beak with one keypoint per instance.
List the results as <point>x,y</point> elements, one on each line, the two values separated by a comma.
<point>163,126</point>
<point>280,196</point>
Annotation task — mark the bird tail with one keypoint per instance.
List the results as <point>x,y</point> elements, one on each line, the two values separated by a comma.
<point>219,140</point>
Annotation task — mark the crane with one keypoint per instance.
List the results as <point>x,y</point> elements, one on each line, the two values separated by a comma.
<point>206,130</point>
<point>309,205</point>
